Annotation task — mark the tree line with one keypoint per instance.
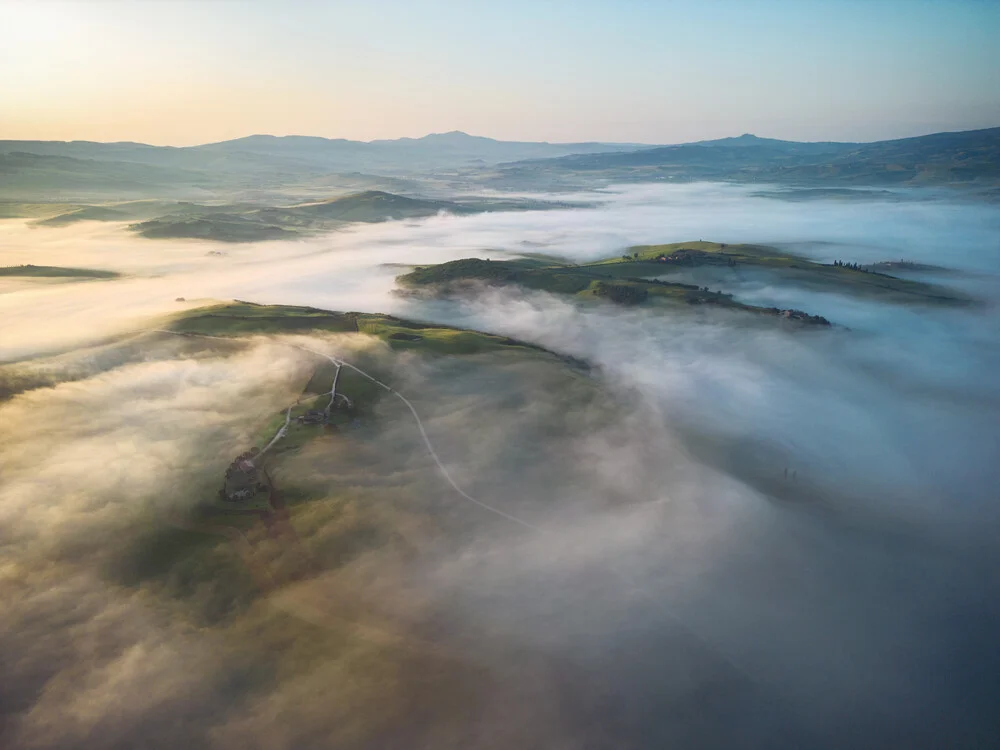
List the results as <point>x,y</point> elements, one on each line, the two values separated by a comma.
<point>852,266</point>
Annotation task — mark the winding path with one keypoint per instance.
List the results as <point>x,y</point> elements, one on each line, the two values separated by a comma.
<point>623,576</point>
<point>340,364</point>
<point>280,433</point>
<point>333,389</point>
<point>423,435</point>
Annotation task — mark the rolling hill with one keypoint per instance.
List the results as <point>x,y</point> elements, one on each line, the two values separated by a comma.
<point>375,205</point>
<point>661,274</point>
<point>250,223</point>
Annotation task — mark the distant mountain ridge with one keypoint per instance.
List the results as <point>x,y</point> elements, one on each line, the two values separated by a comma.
<point>433,151</point>
<point>261,166</point>
<point>246,166</point>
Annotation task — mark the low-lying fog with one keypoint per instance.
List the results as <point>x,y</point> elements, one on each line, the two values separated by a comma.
<point>345,270</point>
<point>777,538</point>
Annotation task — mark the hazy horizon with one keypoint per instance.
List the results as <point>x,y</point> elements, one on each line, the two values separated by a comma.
<point>189,73</point>
<point>480,135</point>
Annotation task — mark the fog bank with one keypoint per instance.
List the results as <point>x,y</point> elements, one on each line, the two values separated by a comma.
<point>347,269</point>
<point>747,534</point>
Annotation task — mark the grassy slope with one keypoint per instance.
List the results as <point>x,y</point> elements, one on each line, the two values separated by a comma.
<point>240,318</point>
<point>786,265</point>
<point>243,318</point>
<point>251,224</point>
<point>641,263</point>
<point>619,282</point>
<point>248,222</point>
<point>57,271</point>
<point>219,227</point>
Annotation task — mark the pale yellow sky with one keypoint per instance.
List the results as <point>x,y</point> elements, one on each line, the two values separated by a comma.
<point>182,72</point>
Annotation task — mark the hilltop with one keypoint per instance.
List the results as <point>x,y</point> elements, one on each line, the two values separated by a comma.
<point>249,224</point>
<point>245,318</point>
<point>721,262</point>
<point>641,275</point>
<point>376,205</point>
<point>253,223</point>
<point>585,282</point>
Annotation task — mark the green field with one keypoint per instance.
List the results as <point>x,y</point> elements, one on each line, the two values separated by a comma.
<point>634,277</point>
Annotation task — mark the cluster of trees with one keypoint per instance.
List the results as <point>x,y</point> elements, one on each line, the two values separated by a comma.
<point>704,294</point>
<point>799,315</point>
<point>623,294</point>
<point>852,266</point>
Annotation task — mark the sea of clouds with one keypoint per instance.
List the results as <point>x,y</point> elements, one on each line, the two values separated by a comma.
<point>748,535</point>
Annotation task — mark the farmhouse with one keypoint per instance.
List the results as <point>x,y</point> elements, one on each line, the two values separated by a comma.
<point>243,479</point>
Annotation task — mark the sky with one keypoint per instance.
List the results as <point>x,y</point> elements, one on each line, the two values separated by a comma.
<point>181,73</point>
